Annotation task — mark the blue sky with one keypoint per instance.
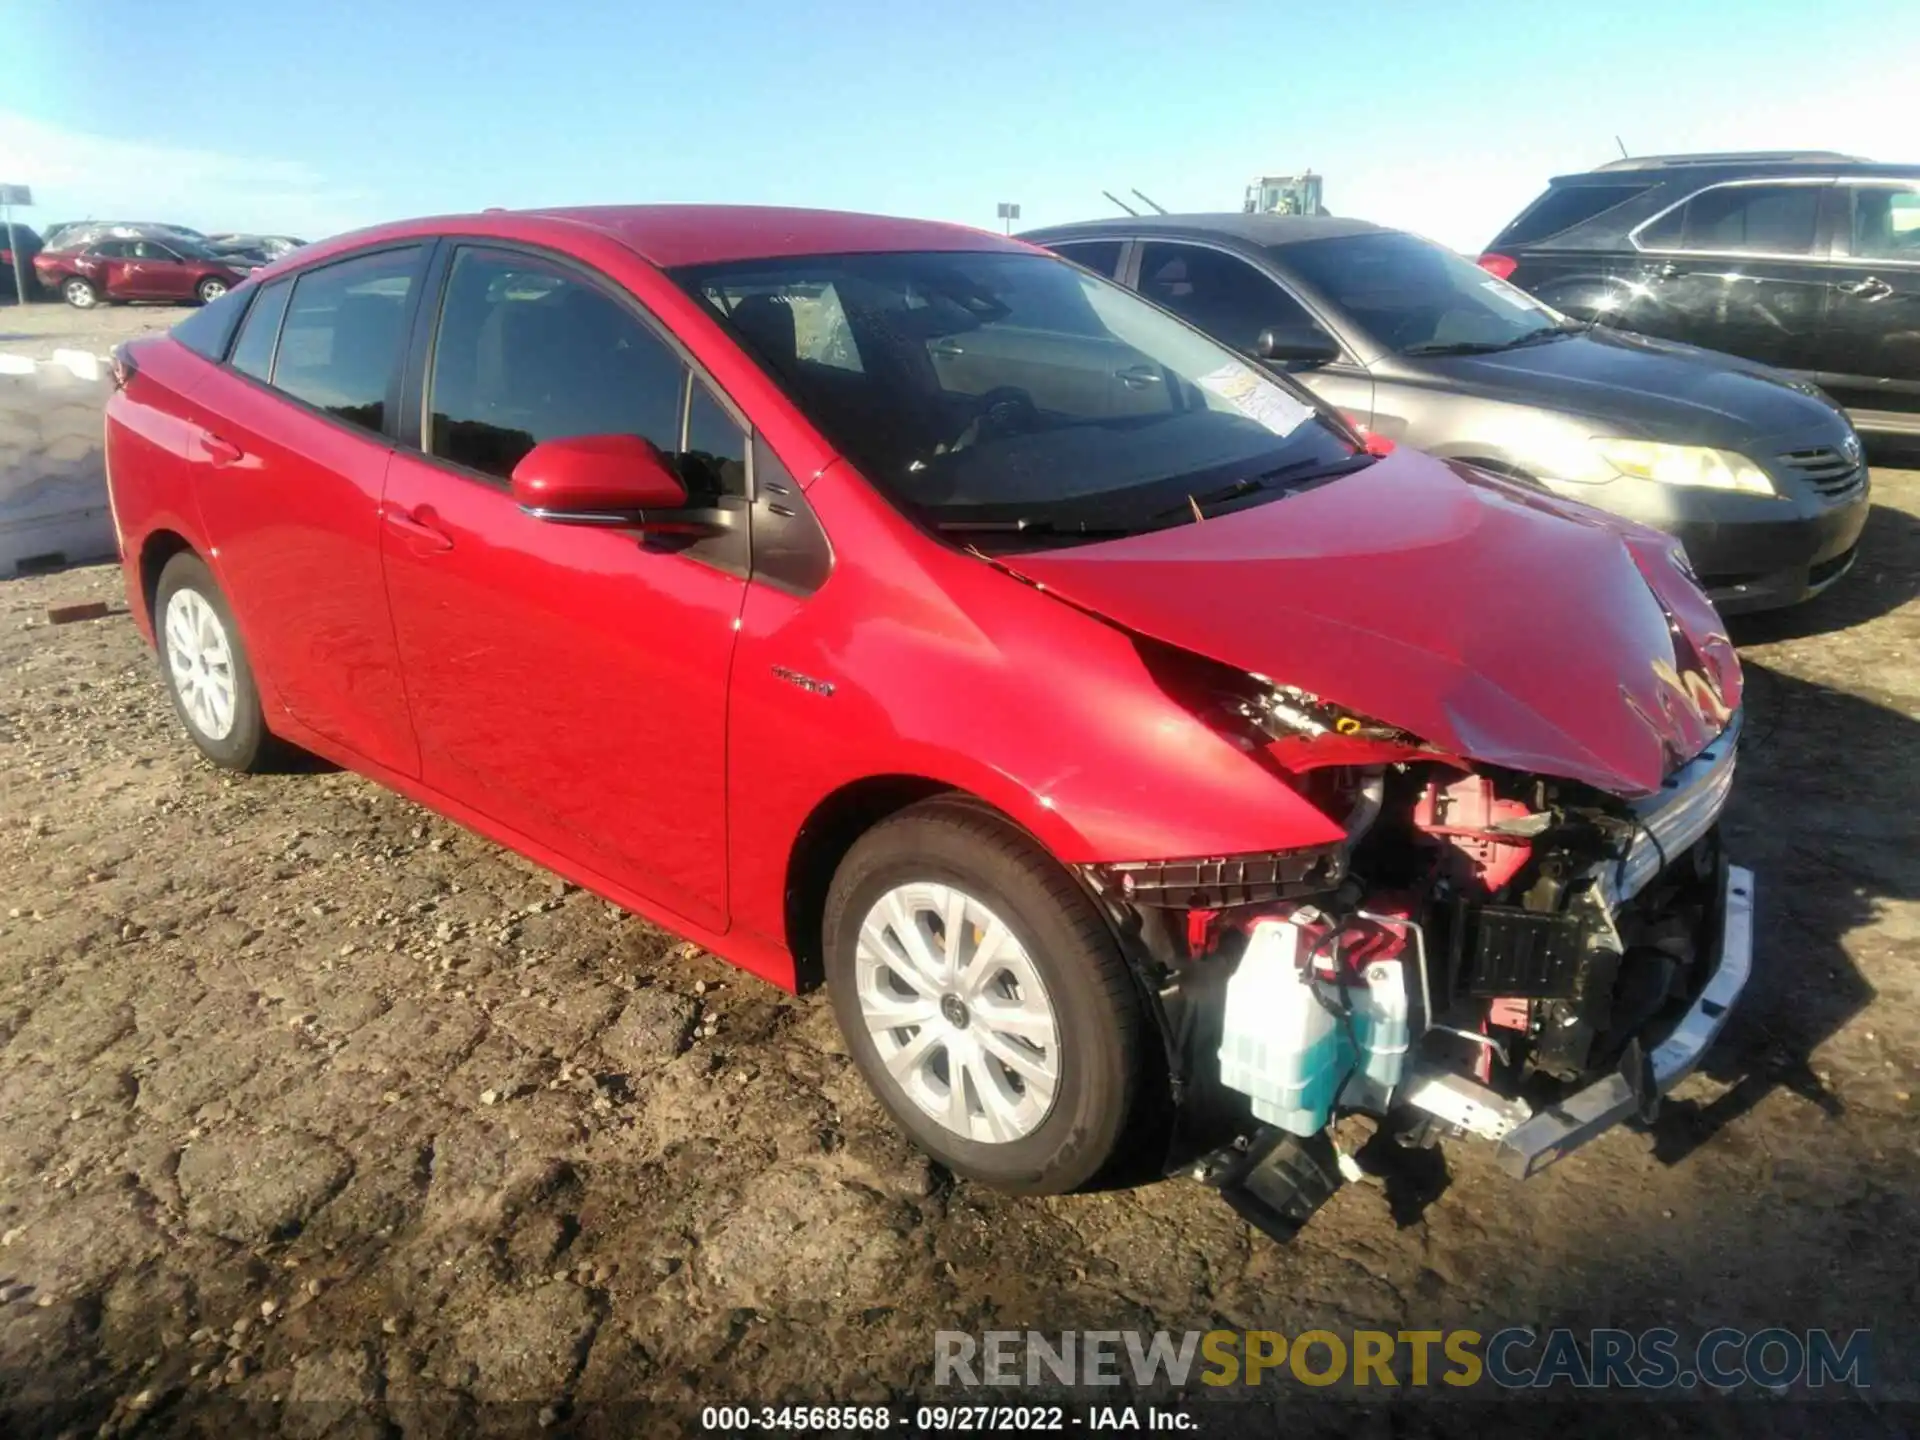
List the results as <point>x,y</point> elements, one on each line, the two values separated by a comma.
<point>1444,116</point>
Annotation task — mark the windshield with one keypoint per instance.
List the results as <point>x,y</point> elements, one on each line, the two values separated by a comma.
<point>1006,390</point>
<point>1413,297</point>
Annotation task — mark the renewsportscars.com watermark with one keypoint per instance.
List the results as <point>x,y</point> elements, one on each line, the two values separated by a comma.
<point>1514,1358</point>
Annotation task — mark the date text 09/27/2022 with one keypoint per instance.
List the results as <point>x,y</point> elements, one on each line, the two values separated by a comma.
<point>942,1419</point>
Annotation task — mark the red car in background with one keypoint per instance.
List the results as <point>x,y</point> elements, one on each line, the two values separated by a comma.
<point>1138,755</point>
<point>136,269</point>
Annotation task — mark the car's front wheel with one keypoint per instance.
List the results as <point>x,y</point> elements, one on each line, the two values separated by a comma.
<point>205,667</point>
<point>79,293</point>
<point>984,998</point>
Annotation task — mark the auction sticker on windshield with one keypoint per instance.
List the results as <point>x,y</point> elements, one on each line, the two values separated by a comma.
<point>1255,397</point>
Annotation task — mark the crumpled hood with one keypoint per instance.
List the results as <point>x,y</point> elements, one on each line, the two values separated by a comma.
<point>1500,624</point>
<point>1651,388</point>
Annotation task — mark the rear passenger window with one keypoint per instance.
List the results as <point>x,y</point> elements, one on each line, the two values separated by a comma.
<point>1740,219</point>
<point>343,334</point>
<point>1220,293</point>
<point>1886,222</point>
<point>253,350</point>
<point>529,352</point>
<point>1100,256</point>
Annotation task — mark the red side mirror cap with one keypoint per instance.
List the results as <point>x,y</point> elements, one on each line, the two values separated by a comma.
<point>597,480</point>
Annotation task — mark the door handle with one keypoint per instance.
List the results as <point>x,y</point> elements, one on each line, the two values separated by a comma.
<point>423,537</point>
<point>220,452</point>
<point>1871,288</point>
<point>1138,377</point>
<point>945,349</point>
<point>1664,271</point>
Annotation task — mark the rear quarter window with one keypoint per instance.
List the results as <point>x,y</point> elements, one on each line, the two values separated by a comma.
<point>209,330</point>
<point>253,351</point>
<point>1565,206</point>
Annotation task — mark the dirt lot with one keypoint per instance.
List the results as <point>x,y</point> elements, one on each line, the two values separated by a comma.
<point>40,328</point>
<point>314,1104</point>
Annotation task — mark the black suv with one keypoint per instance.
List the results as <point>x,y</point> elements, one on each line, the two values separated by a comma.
<point>1808,261</point>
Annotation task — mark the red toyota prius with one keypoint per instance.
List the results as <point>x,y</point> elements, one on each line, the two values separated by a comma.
<point>1138,754</point>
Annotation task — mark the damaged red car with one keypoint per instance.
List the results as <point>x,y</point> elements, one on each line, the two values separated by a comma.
<point>1137,757</point>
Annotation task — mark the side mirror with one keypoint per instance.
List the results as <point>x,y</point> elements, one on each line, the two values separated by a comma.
<point>1304,344</point>
<point>621,481</point>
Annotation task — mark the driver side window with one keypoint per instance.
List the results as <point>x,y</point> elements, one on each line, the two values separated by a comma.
<point>529,352</point>
<point>1220,293</point>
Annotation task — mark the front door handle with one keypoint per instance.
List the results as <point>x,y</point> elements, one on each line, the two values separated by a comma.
<point>1871,288</point>
<point>1663,271</point>
<point>1138,377</point>
<point>423,536</point>
<point>945,349</point>
<point>220,452</point>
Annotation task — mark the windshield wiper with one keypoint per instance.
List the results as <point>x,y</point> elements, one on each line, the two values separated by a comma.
<point>1198,505</point>
<point>1493,347</point>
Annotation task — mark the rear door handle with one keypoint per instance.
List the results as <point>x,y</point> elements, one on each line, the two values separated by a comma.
<point>1138,377</point>
<point>1871,288</point>
<point>423,537</point>
<point>220,452</point>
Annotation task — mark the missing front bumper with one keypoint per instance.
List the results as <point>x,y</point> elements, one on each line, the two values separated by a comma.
<point>1560,1129</point>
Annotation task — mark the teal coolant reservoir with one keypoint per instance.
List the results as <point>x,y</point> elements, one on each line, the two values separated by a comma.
<point>1281,1045</point>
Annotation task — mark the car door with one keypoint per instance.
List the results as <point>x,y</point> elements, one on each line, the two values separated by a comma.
<point>169,272</point>
<point>567,682</point>
<point>1734,268</point>
<point>107,265</point>
<point>1870,343</point>
<point>1231,299</point>
<point>289,453</point>
<point>153,272</point>
<point>143,272</point>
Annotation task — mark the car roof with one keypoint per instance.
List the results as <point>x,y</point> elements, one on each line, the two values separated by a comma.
<point>1263,230</point>
<point>673,235</point>
<point>1759,164</point>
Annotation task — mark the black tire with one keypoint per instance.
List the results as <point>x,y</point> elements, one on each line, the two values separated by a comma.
<point>1096,1007</point>
<point>245,744</point>
<point>80,293</point>
<point>210,289</point>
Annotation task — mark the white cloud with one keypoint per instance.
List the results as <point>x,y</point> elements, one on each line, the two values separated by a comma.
<point>76,175</point>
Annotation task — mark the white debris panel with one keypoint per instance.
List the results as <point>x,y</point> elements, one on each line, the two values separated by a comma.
<point>53,480</point>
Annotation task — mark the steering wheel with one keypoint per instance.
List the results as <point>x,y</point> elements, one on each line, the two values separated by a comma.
<point>1002,411</point>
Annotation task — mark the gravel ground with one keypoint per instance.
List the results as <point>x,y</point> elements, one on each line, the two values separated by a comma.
<point>41,327</point>
<point>315,1105</point>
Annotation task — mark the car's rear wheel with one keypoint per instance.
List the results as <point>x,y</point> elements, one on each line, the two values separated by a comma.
<point>79,293</point>
<point>984,998</point>
<point>205,667</point>
<point>211,289</point>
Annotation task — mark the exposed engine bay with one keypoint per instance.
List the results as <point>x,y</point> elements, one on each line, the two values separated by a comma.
<point>1518,958</point>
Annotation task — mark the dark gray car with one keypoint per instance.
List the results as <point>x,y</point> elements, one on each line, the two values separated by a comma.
<point>1761,476</point>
